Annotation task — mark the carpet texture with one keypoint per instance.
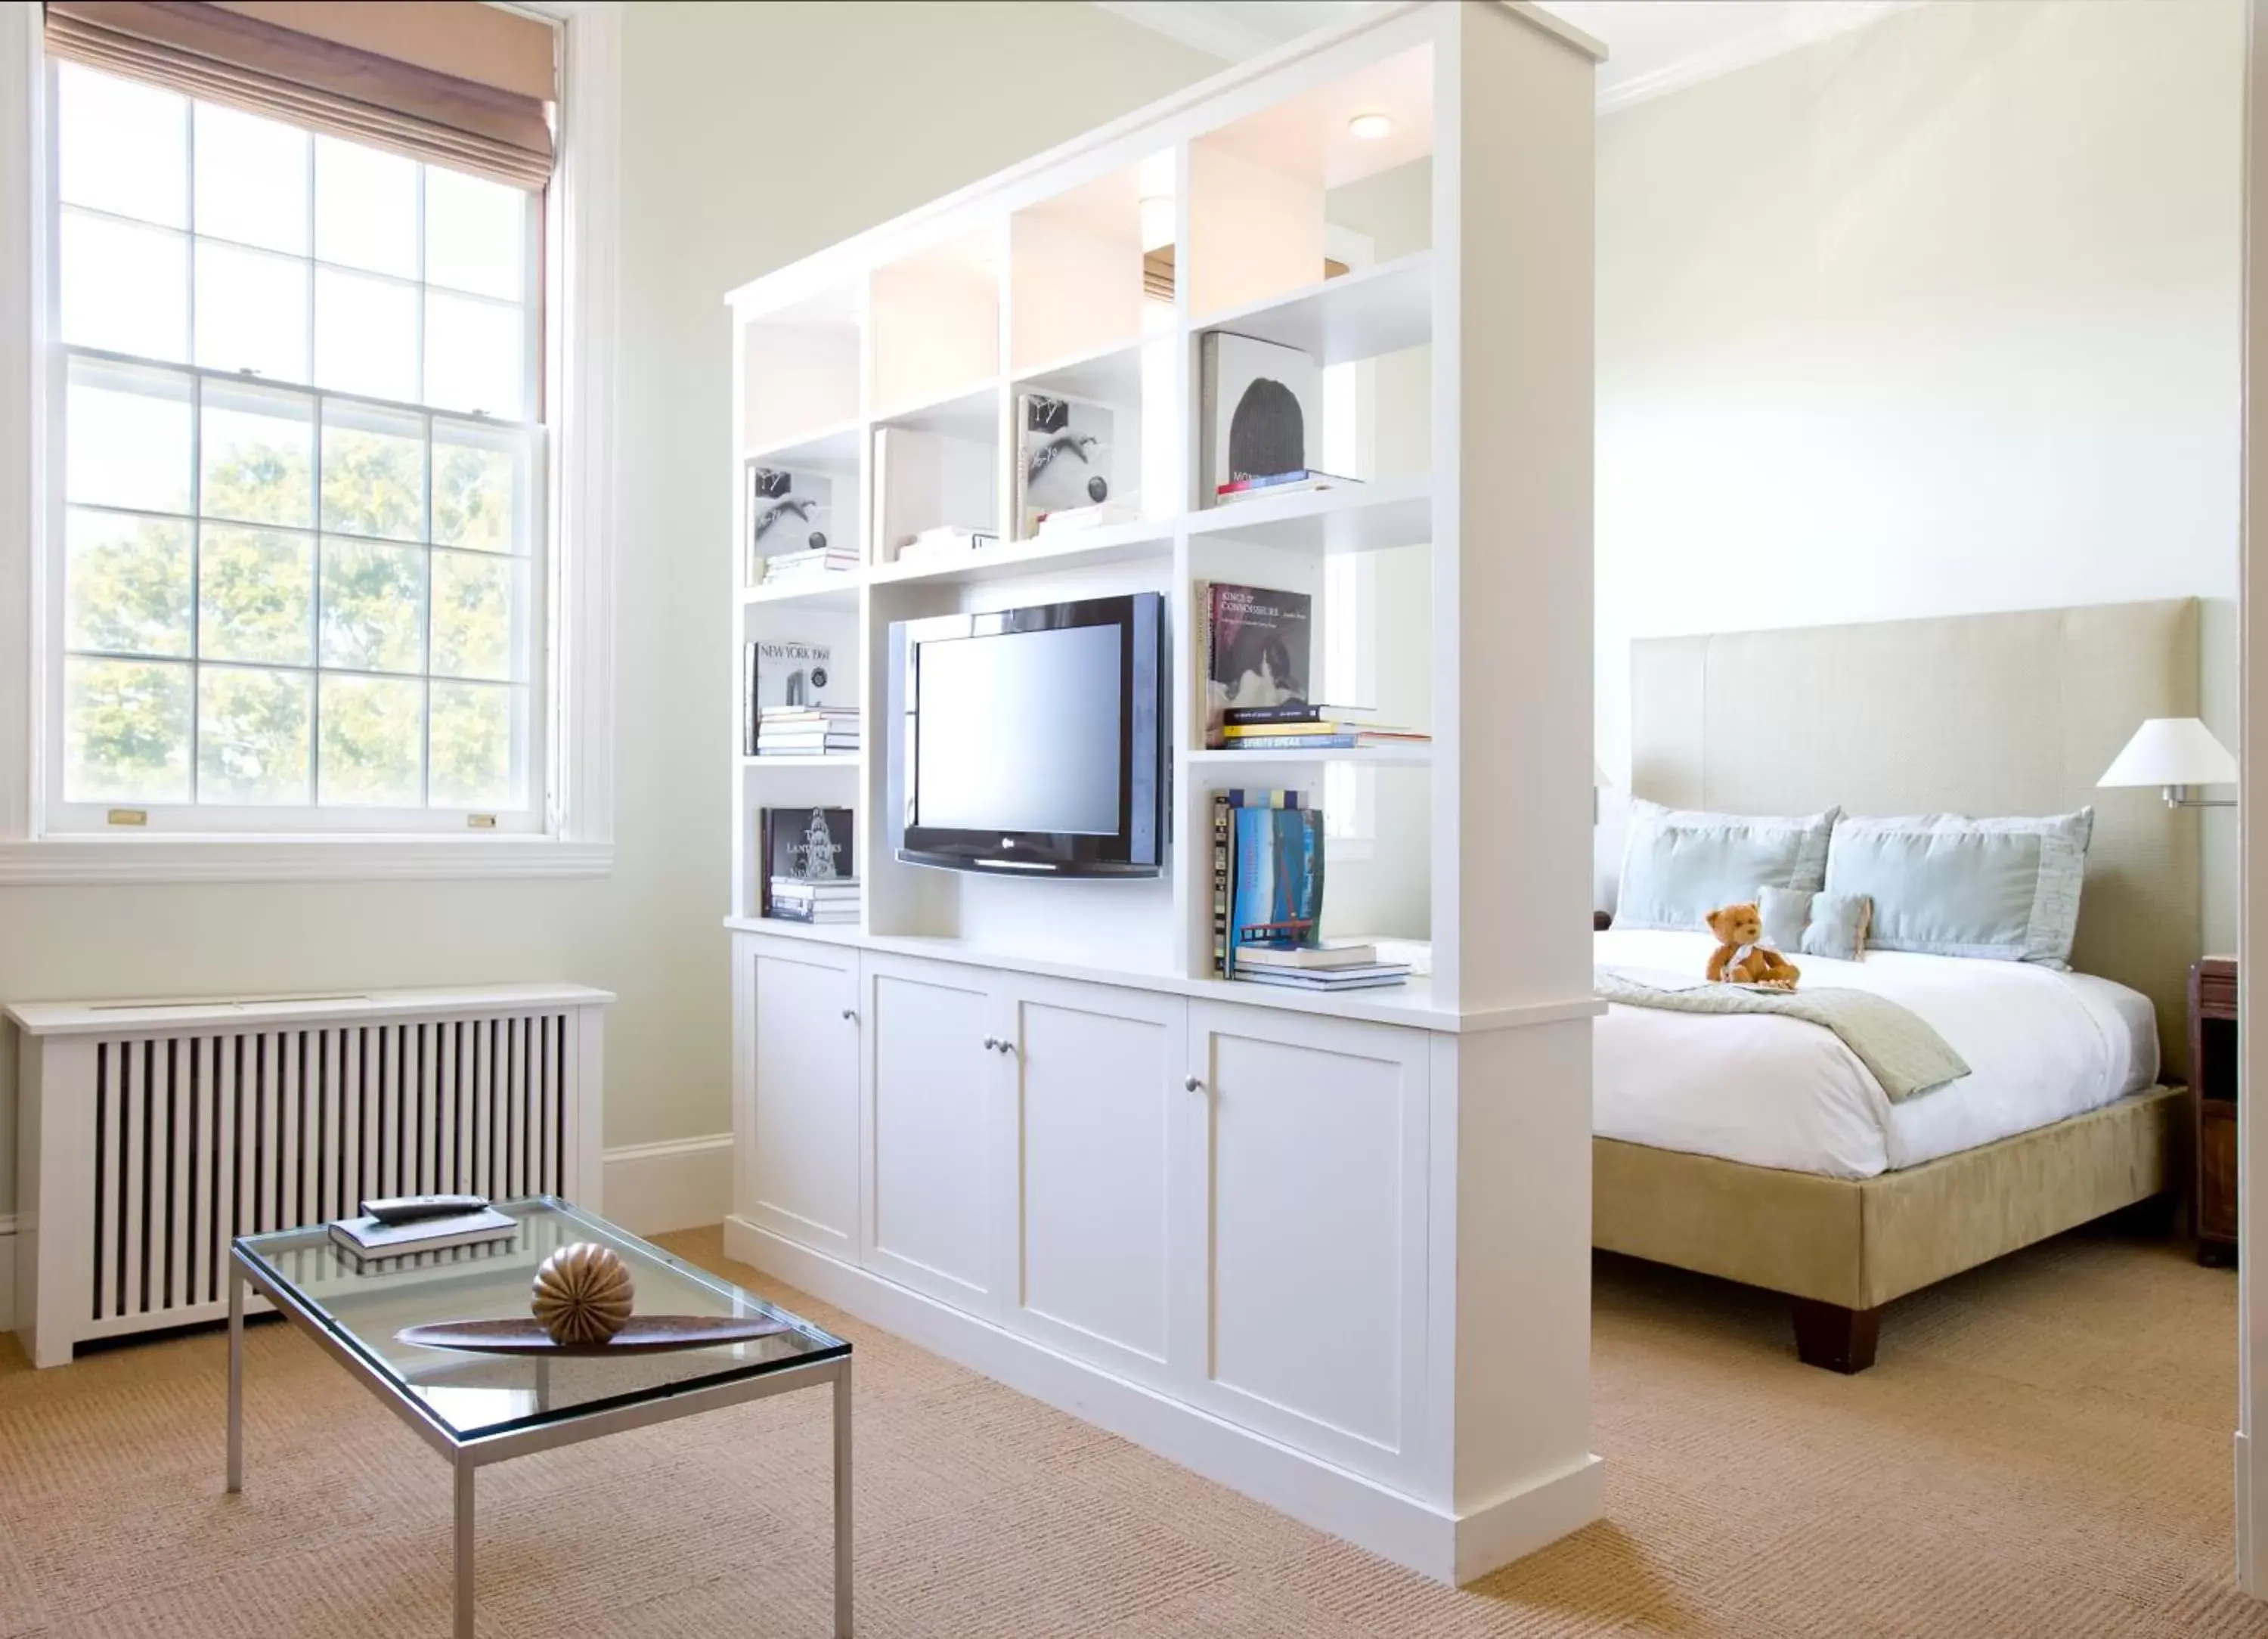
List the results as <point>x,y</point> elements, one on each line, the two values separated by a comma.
<point>2042,1449</point>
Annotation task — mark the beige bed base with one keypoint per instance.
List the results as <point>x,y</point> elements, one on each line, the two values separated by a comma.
<point>1981,713</point>
<point>1843,1247</point>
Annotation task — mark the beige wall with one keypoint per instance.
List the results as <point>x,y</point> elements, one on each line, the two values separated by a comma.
<point>1937,316</point>
<point>752,134</point>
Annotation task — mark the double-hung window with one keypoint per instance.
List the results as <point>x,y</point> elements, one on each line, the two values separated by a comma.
<point>297,568</point>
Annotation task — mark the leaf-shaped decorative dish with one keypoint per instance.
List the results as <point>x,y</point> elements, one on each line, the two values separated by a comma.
<point>645,1334</point>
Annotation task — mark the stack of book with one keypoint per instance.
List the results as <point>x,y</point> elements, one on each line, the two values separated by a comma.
<point>809,874</point>
<point>1267,899</point>
<point>806,731</point>
<point>1298,481</point>
<point>808,565</point>
<point>793,899</point>
<point>1309,728</point>
<point>1330,965</point>
<point>946,540</point>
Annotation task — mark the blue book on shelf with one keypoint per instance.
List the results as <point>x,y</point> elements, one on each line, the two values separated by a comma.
<point>1276,877</point>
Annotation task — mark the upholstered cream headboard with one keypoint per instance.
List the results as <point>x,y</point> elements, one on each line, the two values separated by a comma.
<point>1976,714</point>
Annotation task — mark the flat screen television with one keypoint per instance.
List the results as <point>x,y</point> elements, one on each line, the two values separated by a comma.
<point>1029,742</point>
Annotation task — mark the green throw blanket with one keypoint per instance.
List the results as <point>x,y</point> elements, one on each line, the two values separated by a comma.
<point>1895,1042</point>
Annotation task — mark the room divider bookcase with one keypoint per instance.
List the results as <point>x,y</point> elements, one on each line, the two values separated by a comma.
<point>1331,1250</point>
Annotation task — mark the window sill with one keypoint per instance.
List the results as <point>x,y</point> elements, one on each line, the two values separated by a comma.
<point>64,860</point>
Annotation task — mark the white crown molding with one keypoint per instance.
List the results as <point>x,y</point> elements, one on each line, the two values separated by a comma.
<point>1795,28</point>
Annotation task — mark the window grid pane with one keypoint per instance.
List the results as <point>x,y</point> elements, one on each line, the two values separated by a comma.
<point>314,548</point>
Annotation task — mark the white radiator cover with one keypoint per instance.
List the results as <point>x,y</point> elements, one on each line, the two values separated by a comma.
<point>151,1134</point>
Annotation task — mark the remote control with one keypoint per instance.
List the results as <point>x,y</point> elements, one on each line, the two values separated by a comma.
<point>417,1208</point>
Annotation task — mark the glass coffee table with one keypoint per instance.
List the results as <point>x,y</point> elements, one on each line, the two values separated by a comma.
<point>475,1409</point>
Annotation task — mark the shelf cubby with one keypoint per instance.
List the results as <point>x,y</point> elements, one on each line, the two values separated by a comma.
<point>936,320</point>
<point>1384,308</point>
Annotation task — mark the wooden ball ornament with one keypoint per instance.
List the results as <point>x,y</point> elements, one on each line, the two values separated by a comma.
<point>583,1294</point>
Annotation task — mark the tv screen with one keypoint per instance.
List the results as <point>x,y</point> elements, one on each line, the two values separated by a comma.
<point>1027,740</point>
<point>987,704</point>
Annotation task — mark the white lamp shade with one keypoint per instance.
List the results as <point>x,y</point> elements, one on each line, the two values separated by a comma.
<point>2172,751</point>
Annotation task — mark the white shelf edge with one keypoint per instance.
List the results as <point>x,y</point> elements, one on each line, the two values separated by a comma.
<point>835,585</point>
<point>1115,540</point>
<point>830,759</point>
<point>904,414</point>
<point>1377,756</point>
<point>1267,512</point>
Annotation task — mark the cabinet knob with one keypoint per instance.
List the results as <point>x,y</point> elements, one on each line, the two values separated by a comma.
<point>851,1013</point>
<point>1006,1045</point>
<point>991,1042</point>
<point>1192,1085</point>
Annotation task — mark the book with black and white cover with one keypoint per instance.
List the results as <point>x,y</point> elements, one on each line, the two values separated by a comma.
<point>1260,413</point>
<point>367,1238</point>
<point>1064,457</point>
<point>788,512</point>
<point>1256,644</point>
<point>809,845</point>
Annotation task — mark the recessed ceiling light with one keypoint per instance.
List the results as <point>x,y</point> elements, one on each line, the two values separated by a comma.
<point>1370,127</point>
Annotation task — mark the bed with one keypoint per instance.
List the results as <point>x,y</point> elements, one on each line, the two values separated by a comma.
<point>1758,1149</point>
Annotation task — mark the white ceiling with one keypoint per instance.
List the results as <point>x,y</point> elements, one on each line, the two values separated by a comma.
<point>1653,46</point>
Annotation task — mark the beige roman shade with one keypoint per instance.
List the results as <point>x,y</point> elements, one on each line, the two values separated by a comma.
<point>453,82</point>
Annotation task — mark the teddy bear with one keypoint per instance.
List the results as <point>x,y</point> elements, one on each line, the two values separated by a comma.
<point>1741,957</point>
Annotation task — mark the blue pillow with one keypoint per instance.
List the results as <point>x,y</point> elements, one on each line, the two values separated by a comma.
<point>1679,864</point>
<point>1820,924</point>
<point>2005,890</point>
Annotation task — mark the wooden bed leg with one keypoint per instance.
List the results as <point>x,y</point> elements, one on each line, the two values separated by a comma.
<point>1836,1338</point>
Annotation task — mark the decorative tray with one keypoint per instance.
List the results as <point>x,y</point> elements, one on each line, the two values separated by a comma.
<point>644,1335</point>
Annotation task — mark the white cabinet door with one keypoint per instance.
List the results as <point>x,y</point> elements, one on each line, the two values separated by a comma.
<point>1096,1122</point>
<point>932,1084</point>
<point>1308,1231</point>
<point>796,1114</point>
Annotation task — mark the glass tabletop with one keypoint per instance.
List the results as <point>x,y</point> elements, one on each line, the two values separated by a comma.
<point>365,1302</point>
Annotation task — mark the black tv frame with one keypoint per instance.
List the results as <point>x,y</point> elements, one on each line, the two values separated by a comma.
<point>1139,847</point>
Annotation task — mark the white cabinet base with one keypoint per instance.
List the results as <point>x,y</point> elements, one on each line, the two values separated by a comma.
<point>1388,1523</point>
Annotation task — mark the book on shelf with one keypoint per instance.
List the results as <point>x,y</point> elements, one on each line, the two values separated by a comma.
<point>1328,742</point>
<point>1071,520</point>
<point>1292,711</point>
<point>1353,979</point>
<point>948,541</point>
<point>1065,455</point>
<point>790,514</point>
<point>783,674</point>
<point>367,1238</point>
<point>1328,954</point>
<point>1226,806</point>
<point>1275,877</point>
<point>1253,651</point>
<point>1259,414</point>
<point>1302,481</point>
<point>796,567</point>
<point>1269,733</point>
<point>811,847</point>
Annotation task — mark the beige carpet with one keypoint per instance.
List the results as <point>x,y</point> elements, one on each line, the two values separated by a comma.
<point>2043,1451</point>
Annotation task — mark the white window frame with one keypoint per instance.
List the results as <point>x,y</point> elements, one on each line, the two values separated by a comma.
<point>572,704</point>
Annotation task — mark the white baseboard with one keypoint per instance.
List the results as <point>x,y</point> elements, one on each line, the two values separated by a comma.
<point>7,1271</point>
<point>685,1183</point>
<point>1390,1523</point>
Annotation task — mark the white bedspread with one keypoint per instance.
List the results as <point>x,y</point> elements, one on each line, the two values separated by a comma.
<point>1776,1092</point>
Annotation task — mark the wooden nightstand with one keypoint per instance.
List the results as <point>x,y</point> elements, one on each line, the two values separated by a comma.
<point>2213,1100</point>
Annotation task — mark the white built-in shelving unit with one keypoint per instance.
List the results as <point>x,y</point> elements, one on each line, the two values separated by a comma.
<point>1436,1164</point>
